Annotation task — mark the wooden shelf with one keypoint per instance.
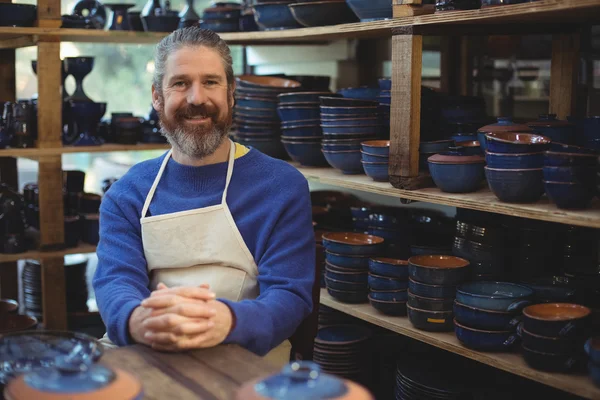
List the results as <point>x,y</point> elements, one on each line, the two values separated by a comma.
<point>482,200</point>
<point>488,20</point>
<point>37,255</point>
<point>580,385</point>
<point>37,152</point>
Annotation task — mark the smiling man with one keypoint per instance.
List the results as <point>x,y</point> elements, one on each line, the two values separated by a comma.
<point>212,242</point>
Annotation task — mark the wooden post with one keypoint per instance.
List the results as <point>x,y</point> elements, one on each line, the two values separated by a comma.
<point>564,72</point>
<point>450,64</point>
<point>49,13</point>
<point>49,95</point>
<point>54,302</point>
<point>465,79</point>
<point>405,123</point>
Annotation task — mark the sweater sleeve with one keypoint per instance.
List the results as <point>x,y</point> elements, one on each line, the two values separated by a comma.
<point>285,278</point>
<point>121,281</point>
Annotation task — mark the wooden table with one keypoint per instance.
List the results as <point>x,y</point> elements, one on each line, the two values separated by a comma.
<point>207,374</point>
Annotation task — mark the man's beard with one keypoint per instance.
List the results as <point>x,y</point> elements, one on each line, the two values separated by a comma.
<point>195,141</point>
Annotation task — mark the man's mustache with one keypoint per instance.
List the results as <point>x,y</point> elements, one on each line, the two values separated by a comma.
<point>192,111</point>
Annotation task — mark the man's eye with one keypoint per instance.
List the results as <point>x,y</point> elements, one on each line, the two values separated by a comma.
<point>211,82</point>
<point>179,83</point>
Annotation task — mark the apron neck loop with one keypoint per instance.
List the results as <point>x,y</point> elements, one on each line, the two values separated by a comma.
<point>229,170</point>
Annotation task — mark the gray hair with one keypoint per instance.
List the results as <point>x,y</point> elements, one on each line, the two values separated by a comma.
<point>193,37</point>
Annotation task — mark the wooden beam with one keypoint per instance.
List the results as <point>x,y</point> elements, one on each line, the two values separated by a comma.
<point>450,64</point>
<point>411,10</point>
<point>564,71</point>
<point>407,57</point>
<point>50,183</point>
<point>49,95</point>
<point>465,79</point>
<point>17,42</point>
<point>48,14</point>
<point>8,87</point>
<point>54,301</point>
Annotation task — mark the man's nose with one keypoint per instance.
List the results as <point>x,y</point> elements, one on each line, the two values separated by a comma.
<point>197,94</point>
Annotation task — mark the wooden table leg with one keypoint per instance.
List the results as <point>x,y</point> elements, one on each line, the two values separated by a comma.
<point>564,72</point>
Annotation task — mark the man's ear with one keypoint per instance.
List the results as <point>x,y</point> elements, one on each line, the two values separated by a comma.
<point>156,101</point>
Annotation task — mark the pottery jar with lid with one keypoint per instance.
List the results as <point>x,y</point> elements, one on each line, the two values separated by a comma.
<point>455,172</point>
<point>555,129</point>
<point>504,124</point>
<point>303,380</point>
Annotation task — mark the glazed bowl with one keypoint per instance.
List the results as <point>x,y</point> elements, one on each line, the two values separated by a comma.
<point>378,171</point>
<point>396,295</point>
<point>516,185</point>
<point>160,23</point>
<point>516,142</point>
<point>372,11</point>
<point>349,261</point>
<point>292,113</point>
<point>431,291</point>
<point>486,319</point>
<point>298,131</point>
<point>514,160</point>
<point>350,129</point>
<point>337,101</point>
<point>339,122</point>
<point>270,83</point>
<point>14,323</point>
<point>221,25</point>
<point>395,308</point>
<point>372,158</point>
<point>433,321</point>
<point>322,13</point>
<point>329,146</point>
<point>307,153</point>
<point>267,113</point>
<point>549,362</point>
<point>438,269</point>
<point>349,161</point>
<point>389,267</point>
<point>438,146</point>
<point>455,173</point>
<point>361,92</point>
<point>352,243</point>
<point>344,286</point>
<point>552,345</point>
<point>378,283</point>
<point>376,147</point>
<point>485,340</point>
<point>15,14</point>
<point>345,111</point>
<point>273,16</point>
<point>494,296</point>
<point>560,159</point>
<point>429,304</point>
<point>570,195</point>
<point>8,306</point>
<point>302,97</point>
<point>345,274</point>
<point>557,320</point>
<point>256,102</point>
<point>556,130</point>
<point>469,147</point>
<point>384,83</point>
<point>349,297</point>
<point>592,348</point>
<point>567,148</point>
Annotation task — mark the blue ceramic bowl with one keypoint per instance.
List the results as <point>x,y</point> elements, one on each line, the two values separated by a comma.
<point>12,14</point>
<point>345,296</point>
<point>514,160</point>
<point>257,130</point>
<point>274,16</point>
<point>431,291</point>
<point>376,147</point>
<point>161,23</point>
<point>467,138</point>
<point>348,261</point>
<point>516,185</point>
<point>486,319</point>
<point>358,111</point>
<point>516,142</point>
<point>457,178</point>
<point>434,321</point>
<point>350,130</point>
<point>345,274</point>
<point>300,123</point>
<point>396,308</point>
<point>349,243</point>
<point>557,131</point>
<point>494,296</point>
<point>362,92</point>
<point>341,147</point>
<point>371,11</point>
<point>594,373</point>
<point>302,97</point>
<point>566,148</point>
<point>384,83</point>
<point>256,112</point>
<point>552,345</point>
<point>377,171</point>
<point>374,158</point>
<point>438,269</point>
<point>549,362</point>
<point>482,140</point>
<point>368,121</point>
<point>287,113</point>
<point>390,235</point>
<point>591,128</point>
<point>592,348</point>
<point>575,174</point>
<point>305,153</point>
<point>565,320</point>
<point>568,195</point>
<point>469,147</point>
<point>345,286</point>
<point>302,131</point>
<point>429,304</point>
<point>389,267</point>
<point>485,340</point>
<point>385,100</point>
<point>336,101</point>
<point>560,159</point>
<point>399,295</point>
<point>346,161</point>
<point>417,250</point>
<point>435,147</point>
<point>271,147</point>
<point>221,25</point>
<point>256,102</point>
<point>378,283</point>
<point>322,13</point>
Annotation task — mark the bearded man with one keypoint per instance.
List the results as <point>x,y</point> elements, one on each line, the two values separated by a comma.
<point>212,242</point>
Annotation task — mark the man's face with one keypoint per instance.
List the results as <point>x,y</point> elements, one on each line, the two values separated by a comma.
<point>195,106</point>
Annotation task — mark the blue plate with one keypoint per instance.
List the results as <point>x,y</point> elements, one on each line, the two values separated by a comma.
<point>342,335</point>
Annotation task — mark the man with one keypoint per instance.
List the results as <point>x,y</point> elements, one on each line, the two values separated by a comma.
<point>212,242</point>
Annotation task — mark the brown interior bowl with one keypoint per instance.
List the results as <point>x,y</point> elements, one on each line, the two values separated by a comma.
<point>441,261</point>
<point>377,143</point>
<point>556,311</point>
<point>269,81</point>
<point>8,306</point>
<point>518,137</point>
<point>14,323</point>
<point>392,261</point>
<point>468,143</point>
<point>351,238</point>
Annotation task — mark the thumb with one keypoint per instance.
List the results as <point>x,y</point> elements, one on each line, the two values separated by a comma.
<point>161,286</point>
<point>205,286</point>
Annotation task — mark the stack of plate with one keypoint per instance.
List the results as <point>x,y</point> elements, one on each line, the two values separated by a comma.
<point>342,350</point>
<point>329,316</point>
<point>76,286</point>
<point>415,380</point>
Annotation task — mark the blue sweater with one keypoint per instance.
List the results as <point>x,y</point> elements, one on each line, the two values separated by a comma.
<point>270,203</point>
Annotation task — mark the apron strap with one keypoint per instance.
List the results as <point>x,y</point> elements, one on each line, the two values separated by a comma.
<point>229,170</point>
<point>155,184</point>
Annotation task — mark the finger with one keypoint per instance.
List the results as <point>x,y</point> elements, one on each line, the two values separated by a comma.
<point>193,328</point>
<point>163,323</point>
<point>205,286</point>
<point>161,286</point>
<point>162,338</point>
<point>200,292</point>
<point>196,341</point>
<point>189,310</point>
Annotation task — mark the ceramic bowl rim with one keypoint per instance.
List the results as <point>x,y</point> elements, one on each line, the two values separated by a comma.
<point>296,108</point>
<point>561,154</point>
<point>458,303</point>
<point>513,154</point>
<point>462,291</point>
<point>269,100</point>
<point>301,93</point>
<point>396,261</point>
<point>495,136</point>
<point>540,337</point>
<point>13,303</point>
<point>463,261</point>
<point>374,164</point>
<point>587,312</point>
<point>349,272</point>
<point>434,299</point>
<point>340,151</point>
<point>427,311</point>
<point>317,2</point>
<point>385,301</point>
<point>30,319</point>
<point>480,330</point>
<point>349,108</point>
<point>389,278</point>
<point>565,183</point>
<point>373,155</point>
<point>376,143</point>
<point>376,239</point>
<point>283,128</point>
<point>285,124</point>
<point>513,170</point>
<point>347,255</point>
<point>283,140</point>
<point>345,282</point>
<point>429,285</point>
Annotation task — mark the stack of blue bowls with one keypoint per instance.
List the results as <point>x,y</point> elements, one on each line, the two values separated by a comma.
<point>385,103</point>
<point>346,123</point>
<point>514,165</point>
<point>432,288</point>
<point>300,125</point>
<point>376,159</point>
<point>255,113</point>
<point>570,175</point>
<point>347,257</point>
<point>388,284</point>
<point>429,149</point>
<point>486,314</point>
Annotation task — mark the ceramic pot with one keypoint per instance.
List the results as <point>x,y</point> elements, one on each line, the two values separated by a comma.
<point>188,15</point>
<point>119,20</point>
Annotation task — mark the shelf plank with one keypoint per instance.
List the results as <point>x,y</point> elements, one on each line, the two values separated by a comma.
<point>482,200</point>
<point>41,152</point>
<point>580,385</point>
<point>525,15</point>
<point>38,255</point>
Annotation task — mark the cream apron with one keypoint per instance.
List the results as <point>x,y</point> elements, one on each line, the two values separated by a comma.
<point>189,248</point>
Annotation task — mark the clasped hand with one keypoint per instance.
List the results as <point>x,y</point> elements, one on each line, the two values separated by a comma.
<point>181,318</point>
